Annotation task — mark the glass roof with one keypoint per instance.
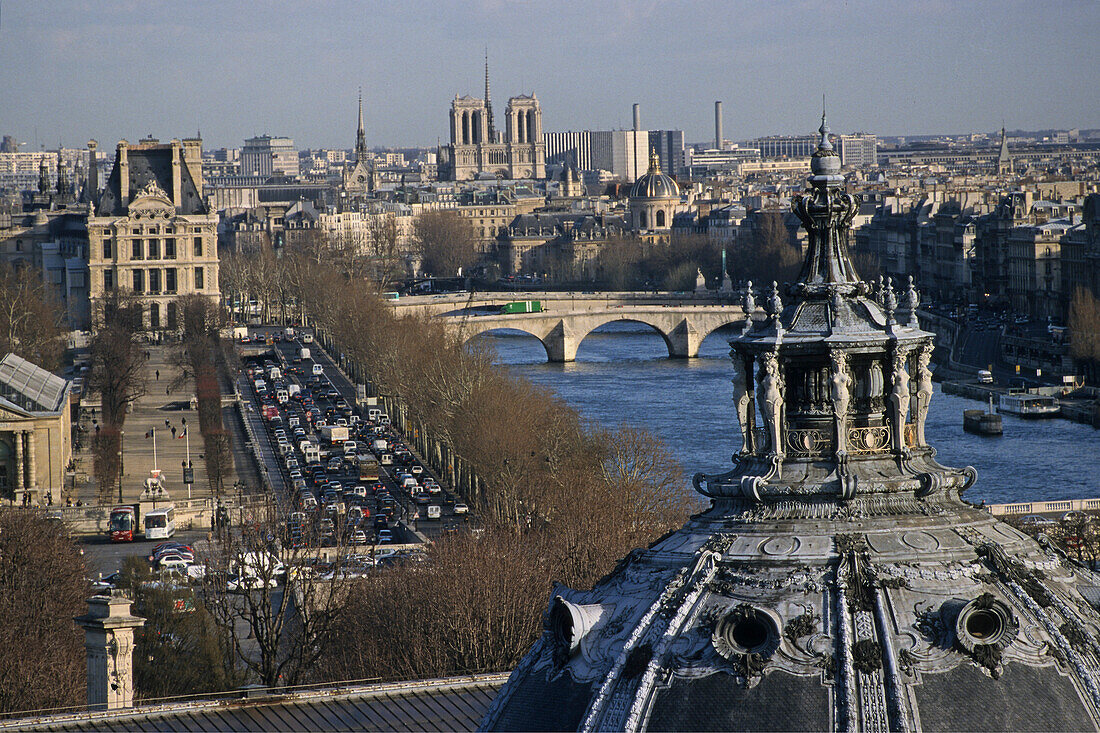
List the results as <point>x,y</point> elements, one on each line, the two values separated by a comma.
<point>30,387</point>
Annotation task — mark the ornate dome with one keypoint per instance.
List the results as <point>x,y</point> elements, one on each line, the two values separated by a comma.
<point>838,580</point>
<point>655,184</point>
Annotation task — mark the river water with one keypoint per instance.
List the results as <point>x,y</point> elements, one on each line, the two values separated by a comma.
<point>623,375</point>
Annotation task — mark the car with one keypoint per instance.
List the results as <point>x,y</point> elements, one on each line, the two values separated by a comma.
<point>461,508</point>
<point>384,536</point>
<point>416,469</point>
<point>358,537</point>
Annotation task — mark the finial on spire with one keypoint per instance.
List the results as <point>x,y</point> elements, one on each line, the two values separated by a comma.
<point>654,161</point>
<point>824,143</point>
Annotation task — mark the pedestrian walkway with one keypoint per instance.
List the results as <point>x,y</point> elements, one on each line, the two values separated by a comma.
<point>166,405</point>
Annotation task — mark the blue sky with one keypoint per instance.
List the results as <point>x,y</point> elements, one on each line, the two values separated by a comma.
<point>74,70</point>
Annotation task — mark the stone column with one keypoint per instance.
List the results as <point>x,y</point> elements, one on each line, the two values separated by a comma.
<point>109,643</point>
<point>32,478</point>
<point>20,484</point>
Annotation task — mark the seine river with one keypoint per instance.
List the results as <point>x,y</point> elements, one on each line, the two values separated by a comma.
<point>622,375</point>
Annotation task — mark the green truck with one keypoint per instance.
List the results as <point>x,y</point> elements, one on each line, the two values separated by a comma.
<point>521,306</point>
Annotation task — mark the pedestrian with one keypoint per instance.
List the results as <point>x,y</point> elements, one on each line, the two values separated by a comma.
<point>49,497</point>
<point>167,424</point>
<point>183,421</point>
<point>173,431</point>
<point>167,391</point>
<point>157,372</point>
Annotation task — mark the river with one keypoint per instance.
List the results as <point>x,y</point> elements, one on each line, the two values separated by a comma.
<point>623,375</point>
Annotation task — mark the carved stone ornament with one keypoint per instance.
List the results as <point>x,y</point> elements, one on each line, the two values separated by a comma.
<point>983,630</point>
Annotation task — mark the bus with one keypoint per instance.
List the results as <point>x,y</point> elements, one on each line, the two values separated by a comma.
<point>120,526</point>
<point>160,524</point>
<point>521,306</point>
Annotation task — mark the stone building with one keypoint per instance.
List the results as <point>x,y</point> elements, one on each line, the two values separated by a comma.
<point>654,201</point>
<point>478,150</point>
<point>361,179</point>
<point>838,580</point>
<point>151,233</point>
<point>35,432</point>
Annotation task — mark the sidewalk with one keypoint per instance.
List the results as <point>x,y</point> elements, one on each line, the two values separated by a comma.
<point>159,404</point>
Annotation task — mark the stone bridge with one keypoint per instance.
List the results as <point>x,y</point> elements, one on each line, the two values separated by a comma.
<point>460,303</point>
<point>683,327</point>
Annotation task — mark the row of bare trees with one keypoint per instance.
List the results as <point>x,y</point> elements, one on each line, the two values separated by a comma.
<point>561,500</point>
<point>31,319</point>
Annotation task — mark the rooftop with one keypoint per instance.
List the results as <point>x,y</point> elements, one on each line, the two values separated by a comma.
<point>29,387</point>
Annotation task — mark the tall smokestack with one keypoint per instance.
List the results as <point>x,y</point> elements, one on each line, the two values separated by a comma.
<point>718,125</point>
<point>637,116</point>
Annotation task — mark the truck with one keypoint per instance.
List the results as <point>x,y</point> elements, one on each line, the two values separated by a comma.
<point>305,354</point>
<point>521,306</point>
<point>368,468</point>
<point>334,433</point>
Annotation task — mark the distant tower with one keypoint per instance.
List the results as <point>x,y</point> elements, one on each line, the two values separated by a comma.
<point>637,116</point>
<point>360,135</point>
<point>91,186</point>
<point>43,176</point>
<point>489,103</point>
<point>718,125</point>
<point>1004,160</point>
<point>62,175</point>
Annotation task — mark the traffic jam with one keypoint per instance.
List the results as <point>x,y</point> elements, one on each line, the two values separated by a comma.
<point>351,480</point>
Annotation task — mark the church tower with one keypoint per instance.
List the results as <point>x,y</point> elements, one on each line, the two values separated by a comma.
<point>359,179</point>
<point>1004,160</point>
<point>360,135</point>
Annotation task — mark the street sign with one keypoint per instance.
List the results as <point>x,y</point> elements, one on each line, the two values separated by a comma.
<point>188,475</point>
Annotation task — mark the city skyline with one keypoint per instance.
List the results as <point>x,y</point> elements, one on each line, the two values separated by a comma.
<point>134,69</point>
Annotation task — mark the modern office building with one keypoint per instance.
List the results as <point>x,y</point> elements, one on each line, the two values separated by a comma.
<point>269,156</point>
<point>859,150</point>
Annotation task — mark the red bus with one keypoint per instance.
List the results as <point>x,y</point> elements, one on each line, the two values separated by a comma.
<point>121,526</point>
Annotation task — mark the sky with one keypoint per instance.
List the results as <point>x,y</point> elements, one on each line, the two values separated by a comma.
<point>72,70</point>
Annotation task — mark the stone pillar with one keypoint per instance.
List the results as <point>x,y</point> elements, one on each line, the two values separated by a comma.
<point>109,643</point>
<point>684,341</point>
<point>32,469</point>
<point>20,483</point>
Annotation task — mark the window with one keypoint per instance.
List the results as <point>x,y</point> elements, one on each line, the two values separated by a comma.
<point>660,218</point>
<point>154,249</point>
<point>198,246</point>
<point>154,314</point>
<point>108,280</point>
<point>106,249</point>
<point>154,281</point>
<point>137,251</point>
<point>170,316</point>
<point>139,281</point>
<point>19,245</point>
<point>170,280</point>
<point>199,284</point>
<point>169,249</point>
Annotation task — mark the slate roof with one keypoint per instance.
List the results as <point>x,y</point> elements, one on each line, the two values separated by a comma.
<point>149,163</point>
<point>29,387</point>
<point>449,704</point>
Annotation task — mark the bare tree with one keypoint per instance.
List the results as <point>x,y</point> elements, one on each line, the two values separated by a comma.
<point>277,603</point>
<point>384,249</point>
<point>43,588</point>
<point>1084,330</point>
<point>768,255</point>
<point>447,243</point>
<point>118,374</point>
<point>31,320</point>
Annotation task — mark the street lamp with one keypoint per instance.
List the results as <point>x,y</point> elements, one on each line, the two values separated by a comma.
<point>121,438</point>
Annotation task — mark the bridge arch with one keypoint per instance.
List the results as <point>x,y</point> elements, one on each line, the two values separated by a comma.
<point>469,334</point>
<point>592,324</point>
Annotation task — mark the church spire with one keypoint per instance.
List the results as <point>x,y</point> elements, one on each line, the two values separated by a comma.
<point>360,135</point>
<point>489,102</point>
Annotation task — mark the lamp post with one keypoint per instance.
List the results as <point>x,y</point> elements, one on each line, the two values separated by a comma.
<point>121,438</point>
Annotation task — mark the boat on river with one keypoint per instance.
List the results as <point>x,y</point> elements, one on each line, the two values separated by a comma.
<point>1024,404</point>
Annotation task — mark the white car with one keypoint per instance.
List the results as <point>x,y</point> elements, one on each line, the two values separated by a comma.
<point>461,508</point>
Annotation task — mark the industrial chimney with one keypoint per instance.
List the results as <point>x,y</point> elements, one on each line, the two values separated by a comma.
<point>718,125</point>
<point>637,116</point>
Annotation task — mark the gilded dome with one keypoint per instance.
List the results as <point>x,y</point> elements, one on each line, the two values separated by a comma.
<point>655,184</point>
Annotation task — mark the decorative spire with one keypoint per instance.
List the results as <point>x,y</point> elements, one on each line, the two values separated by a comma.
<point>360,135</point>
<point>654,161</point>
<point>489,102</point>
<point>826,211</point>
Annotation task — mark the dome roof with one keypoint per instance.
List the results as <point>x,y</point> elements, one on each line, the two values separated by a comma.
<point>655,184</point>
<point>838,581</point>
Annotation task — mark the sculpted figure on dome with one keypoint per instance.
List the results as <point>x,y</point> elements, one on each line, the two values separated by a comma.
<point>924,391</point>
<point>840,392</point>
<point>899,401</point>
<point>770,399</point>
<point>742,402</point>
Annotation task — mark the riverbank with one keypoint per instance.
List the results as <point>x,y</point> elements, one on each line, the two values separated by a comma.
<point>1080,405</point>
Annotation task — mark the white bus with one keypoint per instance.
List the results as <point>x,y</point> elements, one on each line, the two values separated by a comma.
<point>160,524</point>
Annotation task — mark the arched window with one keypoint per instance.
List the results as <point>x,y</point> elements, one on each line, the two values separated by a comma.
<point>154,316</point>
<point>660,219</point>
<point>643,223</point>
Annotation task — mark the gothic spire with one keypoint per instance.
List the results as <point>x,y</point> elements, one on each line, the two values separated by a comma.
<point>489,101</point>
<point>360,135</point>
